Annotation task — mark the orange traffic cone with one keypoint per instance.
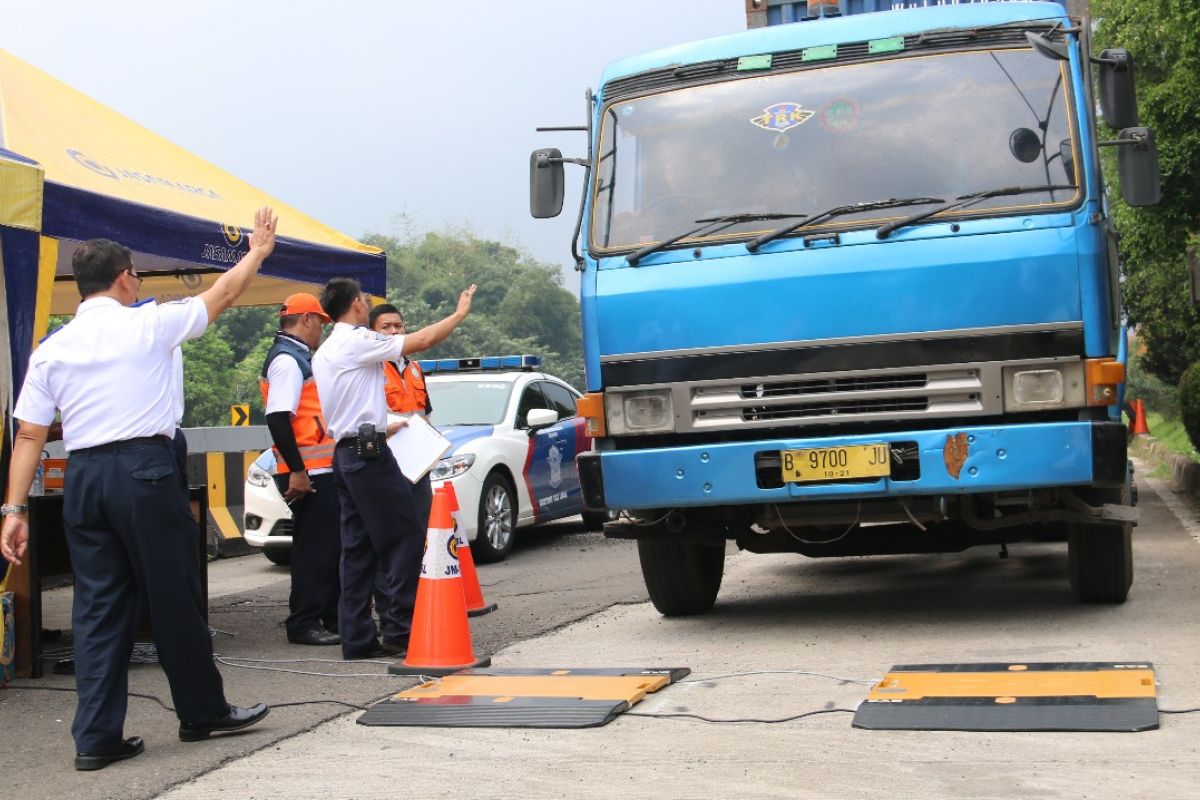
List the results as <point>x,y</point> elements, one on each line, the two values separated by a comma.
<point>1139,419</point>
<point>440,642</point>
<point>476,605</point>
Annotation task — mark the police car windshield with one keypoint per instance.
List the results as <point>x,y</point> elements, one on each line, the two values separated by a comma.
<point>470,402</point>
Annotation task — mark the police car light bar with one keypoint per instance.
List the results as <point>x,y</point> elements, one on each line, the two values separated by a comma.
<point>523,362</point>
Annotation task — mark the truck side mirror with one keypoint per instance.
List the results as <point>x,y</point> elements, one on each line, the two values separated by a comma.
<point>1118,100</point>
<point>1052,50</point>
<point>545,183</point>
<point>1137,167</point>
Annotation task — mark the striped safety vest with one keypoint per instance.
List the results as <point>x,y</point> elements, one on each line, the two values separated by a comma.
<point>405,389</point>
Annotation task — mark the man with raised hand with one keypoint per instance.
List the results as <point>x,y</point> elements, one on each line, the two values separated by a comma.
<point>130,531</point>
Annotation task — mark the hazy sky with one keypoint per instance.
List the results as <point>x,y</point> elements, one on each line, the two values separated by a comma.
<point>365,113</point>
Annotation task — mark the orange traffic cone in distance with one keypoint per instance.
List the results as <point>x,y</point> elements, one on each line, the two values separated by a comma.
<point>1139,419</point>
<point>473,592</point>
<point>440,641</point>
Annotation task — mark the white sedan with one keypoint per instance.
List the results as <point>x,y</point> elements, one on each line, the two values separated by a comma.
<point>514,435</point>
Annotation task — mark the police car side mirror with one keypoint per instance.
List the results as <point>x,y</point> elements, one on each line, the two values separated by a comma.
<point>540,418</point>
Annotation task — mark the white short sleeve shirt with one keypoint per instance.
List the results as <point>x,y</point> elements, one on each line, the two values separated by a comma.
<point>349,380</point>
<point>111,371</point>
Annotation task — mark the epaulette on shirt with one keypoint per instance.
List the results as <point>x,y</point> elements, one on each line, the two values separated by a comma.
<point>51,333</point>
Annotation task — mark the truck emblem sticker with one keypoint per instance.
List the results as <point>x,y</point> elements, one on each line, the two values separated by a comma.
<point>839,115</point>
<point>782,117</point>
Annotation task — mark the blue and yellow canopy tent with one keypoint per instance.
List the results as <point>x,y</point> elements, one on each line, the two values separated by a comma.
<point>72,169</point>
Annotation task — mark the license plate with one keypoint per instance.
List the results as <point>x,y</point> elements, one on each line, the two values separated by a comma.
<point>836,463</point>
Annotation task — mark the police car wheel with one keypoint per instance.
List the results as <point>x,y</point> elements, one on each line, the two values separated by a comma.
<point>278,555</point>
<point>497,520</point>
<point>594,520</point>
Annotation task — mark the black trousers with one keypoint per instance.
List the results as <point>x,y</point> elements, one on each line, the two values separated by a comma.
<point>316,553</point>
<point>132,539</point>
<point>379,531</point>
<point>422,492</point>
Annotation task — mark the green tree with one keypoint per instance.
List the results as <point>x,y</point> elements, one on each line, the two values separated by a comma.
<point>520,307</point>
<point>1164,38</point>
<point>207,375</point>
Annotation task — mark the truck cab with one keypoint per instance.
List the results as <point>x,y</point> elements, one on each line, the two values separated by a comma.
<point>849,287</point>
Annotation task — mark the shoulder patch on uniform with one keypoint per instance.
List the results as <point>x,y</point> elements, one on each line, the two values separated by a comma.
<point>376,335</point>
<point>51,333</point>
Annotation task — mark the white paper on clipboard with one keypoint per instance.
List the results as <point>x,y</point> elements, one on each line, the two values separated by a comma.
<point>417,446</point>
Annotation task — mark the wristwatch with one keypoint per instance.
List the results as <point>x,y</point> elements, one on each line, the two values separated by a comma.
<point>7,509</point>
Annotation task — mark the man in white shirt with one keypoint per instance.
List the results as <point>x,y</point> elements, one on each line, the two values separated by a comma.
<point>130,531</point>
<point>379,522</point>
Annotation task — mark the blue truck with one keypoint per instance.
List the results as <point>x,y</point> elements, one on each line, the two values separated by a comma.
<point>849,286</point>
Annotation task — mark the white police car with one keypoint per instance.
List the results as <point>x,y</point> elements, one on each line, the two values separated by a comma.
<point>514,435</point>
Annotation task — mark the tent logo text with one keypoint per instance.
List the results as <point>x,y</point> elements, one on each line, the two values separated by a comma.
<point>127,174</point>
<point>94,166</point>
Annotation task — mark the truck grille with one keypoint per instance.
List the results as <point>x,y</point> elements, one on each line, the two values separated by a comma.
<point>952,390</point>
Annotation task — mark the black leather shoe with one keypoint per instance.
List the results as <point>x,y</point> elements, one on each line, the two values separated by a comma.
<point>395,648</point>
<point>99,759</point>
<point>315,636</point>
<point>235,720</point>
<point>374,651</point>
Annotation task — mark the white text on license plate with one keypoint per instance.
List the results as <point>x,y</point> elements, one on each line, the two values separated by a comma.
<point>835,463</point>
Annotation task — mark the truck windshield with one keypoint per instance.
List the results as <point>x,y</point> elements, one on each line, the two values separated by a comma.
<point>939,126</point>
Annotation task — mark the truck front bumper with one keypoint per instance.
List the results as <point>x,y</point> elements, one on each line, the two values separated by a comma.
<point>950,461</point>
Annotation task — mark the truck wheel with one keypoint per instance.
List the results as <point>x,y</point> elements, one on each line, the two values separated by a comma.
<point>497,520</point>
<point>1100,557</point>
<point>681,578</point>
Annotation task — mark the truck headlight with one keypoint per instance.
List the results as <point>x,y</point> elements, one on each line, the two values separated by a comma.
<point>646,411</point>
<point>256,477</point>
<point>451,467</point>
<point>1038,387</point>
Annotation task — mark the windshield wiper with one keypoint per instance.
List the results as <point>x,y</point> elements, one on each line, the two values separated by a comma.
<point>838,211</point>
<point>716,223</point>
<point>965,200</point>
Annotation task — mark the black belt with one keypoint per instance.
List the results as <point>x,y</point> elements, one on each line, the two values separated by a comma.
<point>125,443</point>
<point>352,441</point>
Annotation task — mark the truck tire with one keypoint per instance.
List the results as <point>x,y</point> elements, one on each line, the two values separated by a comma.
<point>681,578</point>
<point>1100,557</point>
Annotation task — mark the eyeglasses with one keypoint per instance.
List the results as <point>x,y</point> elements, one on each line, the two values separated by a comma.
<point>136,277</point>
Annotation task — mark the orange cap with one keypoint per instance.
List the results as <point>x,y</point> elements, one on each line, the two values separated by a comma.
<point>303,303</point>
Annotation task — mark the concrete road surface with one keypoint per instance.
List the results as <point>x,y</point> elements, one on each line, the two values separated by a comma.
<point>850,618</point>
<point>558,574</point>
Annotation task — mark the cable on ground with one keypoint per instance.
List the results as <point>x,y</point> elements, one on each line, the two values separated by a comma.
<point>681,715</point>
<point>172,710</point>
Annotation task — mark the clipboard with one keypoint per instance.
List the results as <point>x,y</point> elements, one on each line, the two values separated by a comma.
<point>417,446</point>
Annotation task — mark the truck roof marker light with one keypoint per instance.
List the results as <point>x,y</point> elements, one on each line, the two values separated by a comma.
<point>822,53</point>
<point>1102,377</point>
<point>893,44</point>
<point>591,408</point>
<point>747,63</point>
